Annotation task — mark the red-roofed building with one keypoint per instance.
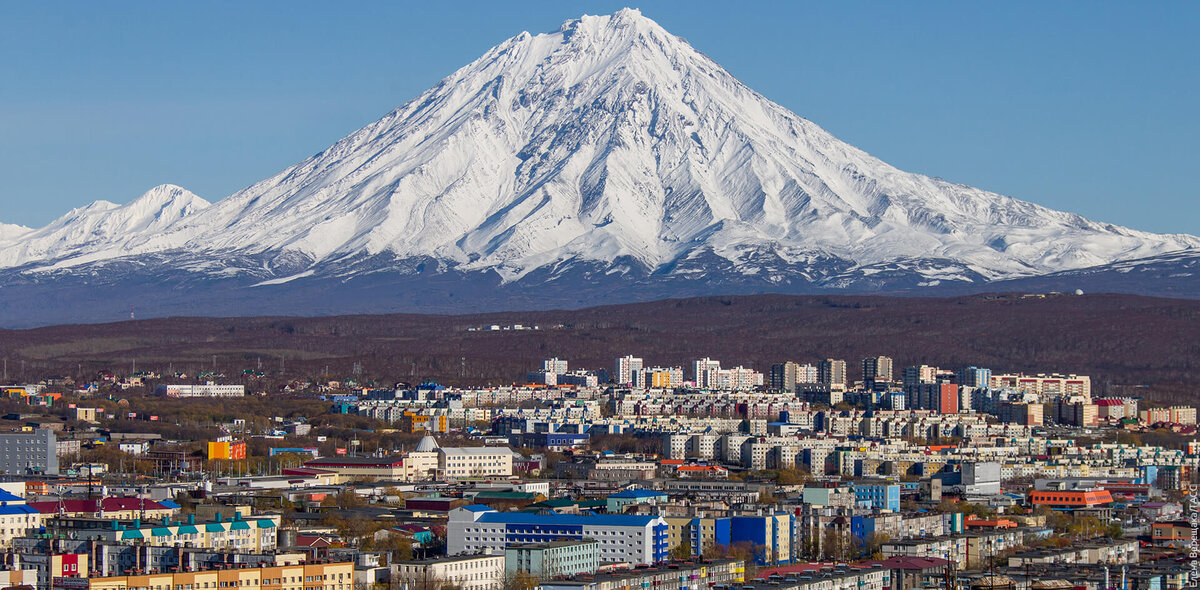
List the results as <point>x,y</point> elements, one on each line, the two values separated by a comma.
<point>908,573</point>
<point>998,523</point>
<point>1113,408</point>
<point>702,472</point>
<point>117,508</point>
<point>1070,499</point>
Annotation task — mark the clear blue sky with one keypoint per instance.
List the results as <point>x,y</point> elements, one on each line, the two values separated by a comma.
<point>1084,106</point>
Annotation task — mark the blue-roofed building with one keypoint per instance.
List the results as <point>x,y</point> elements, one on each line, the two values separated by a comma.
<point>618,501</point>
<point>629,538</point>
<point>16,518</point>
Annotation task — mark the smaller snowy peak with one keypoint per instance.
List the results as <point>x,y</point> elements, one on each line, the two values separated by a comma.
<point>165,203</point>
<point>9,230</point>
<point>103,227</point>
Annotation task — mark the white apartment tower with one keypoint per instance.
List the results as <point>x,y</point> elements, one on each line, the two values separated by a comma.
<point>706,371</point>
<point>627,367</point>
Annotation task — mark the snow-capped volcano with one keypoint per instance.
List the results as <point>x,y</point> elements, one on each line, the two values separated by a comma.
<point>608,147</point>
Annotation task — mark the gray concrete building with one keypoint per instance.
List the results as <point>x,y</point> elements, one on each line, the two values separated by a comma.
<point>29,453</point>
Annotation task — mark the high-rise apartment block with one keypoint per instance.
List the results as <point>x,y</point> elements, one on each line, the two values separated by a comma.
<point>877,368</point>
<point>939,397</point>
<point>659,377</point>
<point>974,377</point>
<point>832,372</point>
<point>625,369</point>
<point>706,371</point>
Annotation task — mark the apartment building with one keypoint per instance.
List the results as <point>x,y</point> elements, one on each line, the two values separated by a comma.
<point>625,369</point>
<point>877,368</point>
<point>832,372</point>
<point>29,453</point>
<point>553,559</point>
<point>253,533</point>
<point>468,572</point>
<point>207,390</point>
<point>307,576</point>
<point>16,518</point>
<point>1174,415</point>
<point>1046,386</point>
<point>719,574</point>
<point>630,538</point>
<point>460,462</point>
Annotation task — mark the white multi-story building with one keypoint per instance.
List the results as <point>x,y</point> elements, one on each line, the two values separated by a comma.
<point>1044,385</point>
<point>739,378</point>
<point>706,371</point>
<point>626,367</point>
<point>475,461</point>
<point>626,538</point>
<point>554,365</point>
<point>16,517</point>
<point>209,389</point>
<point>468,572</point>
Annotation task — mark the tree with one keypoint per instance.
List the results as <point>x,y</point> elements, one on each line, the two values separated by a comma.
<point>343,500</point>
<point>398,546</point>
<point>422,580</point>
<point>1114,531</point>
<point>834,545</point>
<point>792,477</point>
<point>749,552</point>
<point>873,544</point>
<point>682,551</point>
<point>521,580</point>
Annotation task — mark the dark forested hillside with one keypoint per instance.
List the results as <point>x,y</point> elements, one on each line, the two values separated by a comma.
<point>1120,340</point>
